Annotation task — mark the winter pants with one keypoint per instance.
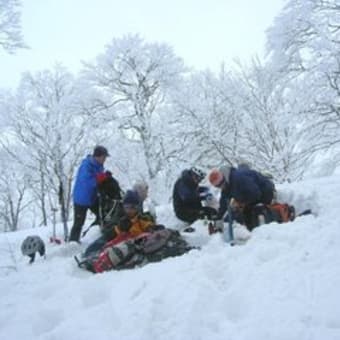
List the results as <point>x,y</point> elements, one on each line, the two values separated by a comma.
<point>187,215</point>
<point>79,220</point>
<point>95,247</point>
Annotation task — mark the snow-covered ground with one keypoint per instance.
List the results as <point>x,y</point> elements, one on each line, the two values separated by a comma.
<point>283,284</point>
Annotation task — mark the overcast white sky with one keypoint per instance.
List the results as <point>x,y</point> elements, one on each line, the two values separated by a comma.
<point>203,32</point>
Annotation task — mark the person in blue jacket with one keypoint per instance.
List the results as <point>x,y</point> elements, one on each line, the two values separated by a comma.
<point>188,196</point>
<point>85,189</point>
<point>244,186</point>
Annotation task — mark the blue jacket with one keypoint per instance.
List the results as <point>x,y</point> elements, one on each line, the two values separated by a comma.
<point>248,187</point>
<point>85,187</point>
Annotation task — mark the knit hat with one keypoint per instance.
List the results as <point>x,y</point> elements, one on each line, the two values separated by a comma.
<point>131,198</point>
<point>141,188</point>
<point>216,177</point>
<point>99,151</point>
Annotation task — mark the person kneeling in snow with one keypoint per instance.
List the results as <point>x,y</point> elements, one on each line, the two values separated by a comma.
<point>145,205</point>
<point>250,196</point>
<point>188,197</point>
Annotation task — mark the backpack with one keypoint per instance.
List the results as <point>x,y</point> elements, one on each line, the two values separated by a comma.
<point>110,205</point>
<point>147,247</point>
<point>267,213</point>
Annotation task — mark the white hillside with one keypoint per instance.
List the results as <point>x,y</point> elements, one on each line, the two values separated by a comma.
<point>282,284</point>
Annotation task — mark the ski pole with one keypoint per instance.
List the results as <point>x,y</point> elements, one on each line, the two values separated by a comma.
<point>228,235</point>
<point>54,210</point>
<point>230,226</point>
<point>53,238</point>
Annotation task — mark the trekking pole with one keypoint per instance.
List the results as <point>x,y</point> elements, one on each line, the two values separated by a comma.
<point>53,238</point>
<point>100,211</point>
<point>228,235</point>
<point>230,226</point>
<point>54,210</point>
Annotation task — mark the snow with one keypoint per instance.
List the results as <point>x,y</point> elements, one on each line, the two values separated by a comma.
<point>283,283</point>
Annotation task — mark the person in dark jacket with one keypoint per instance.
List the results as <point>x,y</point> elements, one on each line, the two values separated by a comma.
<point>188,196</point>
<point>85,189</point>
<point>243,187</point>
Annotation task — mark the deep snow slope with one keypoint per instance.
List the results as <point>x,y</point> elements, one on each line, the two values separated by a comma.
<point>282,284</point>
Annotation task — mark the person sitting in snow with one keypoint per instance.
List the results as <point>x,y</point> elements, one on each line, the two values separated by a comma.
<point>132,223</point>
<point>142,189</point>
<point>243,188</point>
<point>85,189</point>
<point>188,197</point>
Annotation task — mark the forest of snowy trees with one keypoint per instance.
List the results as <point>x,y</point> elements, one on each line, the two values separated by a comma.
<point>156,116</point>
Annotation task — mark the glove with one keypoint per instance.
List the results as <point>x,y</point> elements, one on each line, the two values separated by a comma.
<point>202,189</point>
<point>101,177</point>
<point>208,212</point>
<point>236,204</point>
<point>203,192</point>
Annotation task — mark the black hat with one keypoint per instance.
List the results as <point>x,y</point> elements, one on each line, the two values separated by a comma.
<point>99,151</point>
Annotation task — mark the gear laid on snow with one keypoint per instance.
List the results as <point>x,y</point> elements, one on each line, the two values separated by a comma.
<point>253,216</point>
<point>32,245</point>
<point>129,253</point>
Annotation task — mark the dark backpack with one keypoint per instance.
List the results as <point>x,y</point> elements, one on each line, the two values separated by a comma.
<point>110,205</point>
<point>110,208</point>
<point>267,213</point>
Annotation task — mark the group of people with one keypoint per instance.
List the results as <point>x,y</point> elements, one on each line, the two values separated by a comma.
<point>131,236</point>
<point>128,216</point>
<point>242,188</point>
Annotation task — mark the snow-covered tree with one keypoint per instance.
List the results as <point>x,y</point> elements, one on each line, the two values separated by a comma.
<point>304,43</point>
<point>275,128</point>
<point>51,133</point>
<point>13,196</point>
<point>134,79</point>
<point>11,37</point>
<point>206,120</point>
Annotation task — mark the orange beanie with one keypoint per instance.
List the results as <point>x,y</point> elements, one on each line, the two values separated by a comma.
<point>216,177</point>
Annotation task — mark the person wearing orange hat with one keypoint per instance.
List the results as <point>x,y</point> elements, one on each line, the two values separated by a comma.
<point>244,187</point>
